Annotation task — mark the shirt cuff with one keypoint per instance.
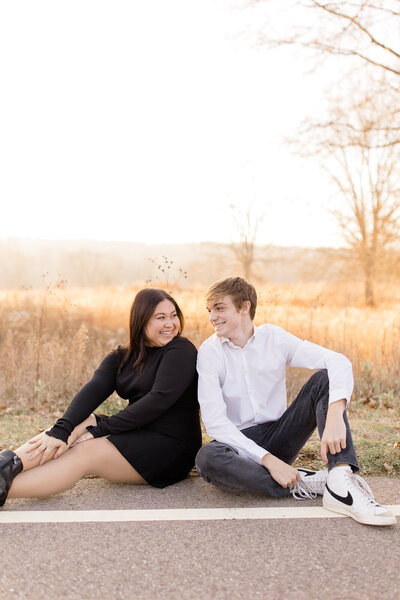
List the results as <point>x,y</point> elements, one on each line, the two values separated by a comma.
<point>335,395</point>
<point>257,454</point>
<point>59,433</point>
<point>97,430</point>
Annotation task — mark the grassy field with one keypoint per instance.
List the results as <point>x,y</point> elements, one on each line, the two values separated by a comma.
<point>51,341</point>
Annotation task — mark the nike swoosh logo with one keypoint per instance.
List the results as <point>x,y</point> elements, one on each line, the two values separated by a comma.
<point>345,499</point>
<point>307,473</point>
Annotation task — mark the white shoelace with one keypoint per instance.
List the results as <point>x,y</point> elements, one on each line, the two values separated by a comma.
<point>363,487</point>
<point>300,492</point>
<point>316,483</point>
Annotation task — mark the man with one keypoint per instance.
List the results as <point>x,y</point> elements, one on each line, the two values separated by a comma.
<point>242,395</point>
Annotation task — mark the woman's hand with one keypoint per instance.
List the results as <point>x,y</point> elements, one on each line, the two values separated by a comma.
<point>81,429</point>
<point>83,438</point>
<point>49,446</point>
<point>283,473</point>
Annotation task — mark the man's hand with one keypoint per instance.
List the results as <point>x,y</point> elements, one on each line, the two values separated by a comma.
<point>283,473</point>
<point>49,446</point>
<point>334,436</point>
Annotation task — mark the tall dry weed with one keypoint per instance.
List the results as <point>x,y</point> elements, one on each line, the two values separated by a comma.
<point>50,345</point>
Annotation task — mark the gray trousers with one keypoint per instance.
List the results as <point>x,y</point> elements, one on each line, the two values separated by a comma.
<point>222,466</point>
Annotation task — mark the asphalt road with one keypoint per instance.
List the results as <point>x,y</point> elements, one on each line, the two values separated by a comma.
<point>222,559</point>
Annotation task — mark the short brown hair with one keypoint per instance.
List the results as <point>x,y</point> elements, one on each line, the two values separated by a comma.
<point>238,289</point>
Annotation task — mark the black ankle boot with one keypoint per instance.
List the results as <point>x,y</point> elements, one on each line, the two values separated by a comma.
<point>10,466</point>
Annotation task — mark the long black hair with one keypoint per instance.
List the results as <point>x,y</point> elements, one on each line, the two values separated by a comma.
<point>142,309</point>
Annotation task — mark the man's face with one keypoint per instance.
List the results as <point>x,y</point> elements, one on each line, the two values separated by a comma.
<point>225,317</point>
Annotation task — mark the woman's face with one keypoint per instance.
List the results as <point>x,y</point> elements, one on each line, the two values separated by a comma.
<point>163,324</point>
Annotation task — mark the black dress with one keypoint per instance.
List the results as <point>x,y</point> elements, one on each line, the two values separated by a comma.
<point>159,431</point>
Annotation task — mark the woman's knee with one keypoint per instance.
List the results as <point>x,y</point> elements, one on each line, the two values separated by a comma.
<point>84,454</point>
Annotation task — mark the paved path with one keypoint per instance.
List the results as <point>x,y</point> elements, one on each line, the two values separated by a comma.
<point>198,559</point>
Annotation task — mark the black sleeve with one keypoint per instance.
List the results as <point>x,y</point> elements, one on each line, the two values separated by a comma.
<point>174,375</point>
<point>89,397</point>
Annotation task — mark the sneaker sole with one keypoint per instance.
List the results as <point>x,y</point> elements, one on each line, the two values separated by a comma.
<point>365,520</point>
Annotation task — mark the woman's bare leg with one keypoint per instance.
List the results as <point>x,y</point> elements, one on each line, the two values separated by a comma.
<point>94,457</point>
<point>25,456</point>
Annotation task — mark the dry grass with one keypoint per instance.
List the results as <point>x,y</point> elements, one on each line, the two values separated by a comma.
<point>51,340</point>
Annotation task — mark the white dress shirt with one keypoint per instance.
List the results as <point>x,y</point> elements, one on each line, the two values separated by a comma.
<point>241,387</point>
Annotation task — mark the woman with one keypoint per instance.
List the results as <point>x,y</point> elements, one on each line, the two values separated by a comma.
<point>153,440</point>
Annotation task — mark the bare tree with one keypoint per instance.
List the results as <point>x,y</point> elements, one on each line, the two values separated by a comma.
<point>367,31</point>
<point>247,223</point>
<point>358,141</point>
<point>366,172</point>
<point>366,34</point>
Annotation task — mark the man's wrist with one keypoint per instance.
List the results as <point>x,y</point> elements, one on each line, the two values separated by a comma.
<point>338,405</point>
<point>336,409</point>
<point>266,458</point>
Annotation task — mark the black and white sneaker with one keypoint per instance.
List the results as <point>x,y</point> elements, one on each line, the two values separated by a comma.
<point>312,484</point>
<point>350,495</point>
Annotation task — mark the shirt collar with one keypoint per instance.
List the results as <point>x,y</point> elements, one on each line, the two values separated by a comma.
<point>251,340</point>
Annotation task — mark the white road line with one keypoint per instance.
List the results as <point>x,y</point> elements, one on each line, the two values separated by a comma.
<point>171,514</point>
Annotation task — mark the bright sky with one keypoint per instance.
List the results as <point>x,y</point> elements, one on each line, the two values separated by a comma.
<point>143,121</point>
